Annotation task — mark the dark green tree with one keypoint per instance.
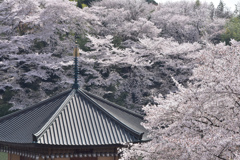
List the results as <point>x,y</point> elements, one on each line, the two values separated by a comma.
<point>232,30</point>
<point>152,1</point>
<point>88,2</point>
<point>212,10</point>
<point>220,10</point>
<point>4,102</point>
<point>80,3</point>
<point>83,3</point>
<point>197,4</point>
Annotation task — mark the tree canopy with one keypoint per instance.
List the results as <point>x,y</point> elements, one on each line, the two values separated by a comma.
<point>232,30</point>
<point>202,120</point>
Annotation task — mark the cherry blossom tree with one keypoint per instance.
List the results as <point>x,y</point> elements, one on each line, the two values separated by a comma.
<point>134,71</point>
<point>40,26</point>
<point>127,52</point>
<point>202,120</point>
<point>187,23</point>
<point>33,75</point>
<point>127,19</point>
<point>135,8</point>
<point>36,38</point>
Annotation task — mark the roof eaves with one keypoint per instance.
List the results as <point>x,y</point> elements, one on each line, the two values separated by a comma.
<point>56,146</point>
<point>54,116</point>
<point>138,134</point>
<point>31,107</point>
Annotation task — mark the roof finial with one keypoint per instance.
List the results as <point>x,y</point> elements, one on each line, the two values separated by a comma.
<point>76,55</point>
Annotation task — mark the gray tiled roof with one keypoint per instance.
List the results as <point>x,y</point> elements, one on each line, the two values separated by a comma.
<point>74,117</point>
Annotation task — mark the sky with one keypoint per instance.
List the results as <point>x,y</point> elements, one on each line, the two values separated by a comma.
<point>229,3</point>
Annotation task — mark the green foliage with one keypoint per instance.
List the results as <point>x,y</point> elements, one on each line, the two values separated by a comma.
<point>220,6</point>
<point>220,10</point>
<point>23,28</point>
<point>4,105</point>
<point>237,10</point>
<point>79,3</point>
<point>39,44</point>
<point>4,109</point>
<point>212,10</point>
<point>3,156</point>
<point>197,4</point>
<point>81,40</point>
<point>62,36</point>
<point>51,92</point>
<point>83,3</point>
<point>232,30</point>
<point>33,86</point>
<point>111,88</point>
<point>7,95</point>
<point>123,71</point>
<point>152,1</point>
<point>90,76</point>
<point>117,40</point>
<point>119,100</point>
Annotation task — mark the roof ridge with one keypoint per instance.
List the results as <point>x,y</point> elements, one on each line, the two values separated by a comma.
<point>54,116</point>
<point>112,116</point>
<point>33,106</point>
<point>115,105</point>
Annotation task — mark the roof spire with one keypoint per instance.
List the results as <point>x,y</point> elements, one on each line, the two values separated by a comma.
<point>76,55</point>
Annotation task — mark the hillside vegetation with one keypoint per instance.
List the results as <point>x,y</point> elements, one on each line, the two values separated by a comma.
<point>129,49</point>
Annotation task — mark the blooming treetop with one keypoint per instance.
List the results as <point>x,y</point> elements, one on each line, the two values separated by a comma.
<point>202,120</point>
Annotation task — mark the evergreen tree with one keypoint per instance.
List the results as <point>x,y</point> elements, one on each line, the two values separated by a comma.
<point>197,4</point>
<point>88,2</point>
<point>237,10</point>
<point>84,3</point>
<point>152,1</point>
<point>212,10</point>
<point>232,30</point>
<point>220,10</point>
<point>79,3</point>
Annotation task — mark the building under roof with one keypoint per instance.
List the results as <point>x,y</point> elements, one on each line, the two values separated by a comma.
<point>73,125</point>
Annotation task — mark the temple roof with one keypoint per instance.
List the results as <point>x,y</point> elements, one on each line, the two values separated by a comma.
<point>74,117</point>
